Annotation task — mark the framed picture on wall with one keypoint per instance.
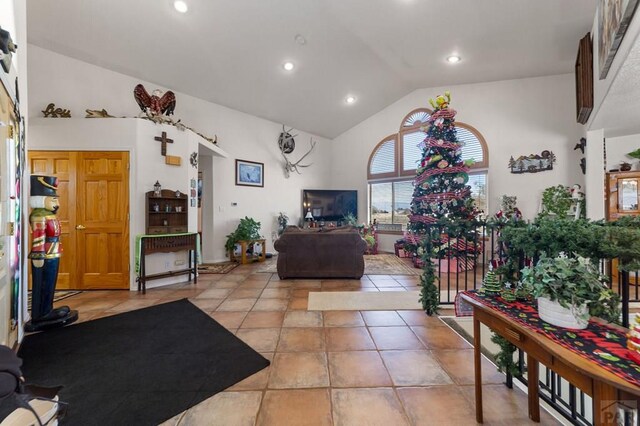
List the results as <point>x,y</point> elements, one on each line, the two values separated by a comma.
<point>613,19</point>
<point>249,173</point>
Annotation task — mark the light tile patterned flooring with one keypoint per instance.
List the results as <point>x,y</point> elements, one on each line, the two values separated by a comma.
<point>334,367</point>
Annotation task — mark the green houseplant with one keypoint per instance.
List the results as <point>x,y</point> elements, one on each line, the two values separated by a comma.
<point>556,200</point>
<point>248,229</point>
<point>283,221</point>
<point>576,286</point>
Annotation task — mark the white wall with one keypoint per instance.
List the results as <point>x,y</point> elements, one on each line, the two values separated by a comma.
<point>617,149</point>
<point>76,85</point>
<point>594,185</point>
<point>516,117</point>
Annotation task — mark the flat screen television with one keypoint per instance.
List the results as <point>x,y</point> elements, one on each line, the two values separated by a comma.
<point>329,205</point>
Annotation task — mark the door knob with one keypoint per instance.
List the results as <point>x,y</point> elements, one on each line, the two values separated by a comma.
<point>80,227</point>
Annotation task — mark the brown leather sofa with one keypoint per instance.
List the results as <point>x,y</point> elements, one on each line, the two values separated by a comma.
<point>320,253</point>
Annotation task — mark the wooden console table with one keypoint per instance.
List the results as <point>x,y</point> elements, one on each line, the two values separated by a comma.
<point>603,387</point>
<point>167,243</point>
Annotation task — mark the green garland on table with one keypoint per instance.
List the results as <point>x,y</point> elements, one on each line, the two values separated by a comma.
<point>504,358</point>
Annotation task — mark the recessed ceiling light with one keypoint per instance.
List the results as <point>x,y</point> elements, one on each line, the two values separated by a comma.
<point>300,39</point>
<point>288,66</point>
<point>350,99</point>
<point>453,59</point>
<point>180,6</point>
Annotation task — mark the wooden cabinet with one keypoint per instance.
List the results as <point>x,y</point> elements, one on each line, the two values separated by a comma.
<point>167,213</point>
<point>622,200</point>
<point>622,194</point>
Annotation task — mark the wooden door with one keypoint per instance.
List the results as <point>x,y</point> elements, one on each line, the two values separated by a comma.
<point>102,213</point>
<point>94,216</point>
<point>62,165</point>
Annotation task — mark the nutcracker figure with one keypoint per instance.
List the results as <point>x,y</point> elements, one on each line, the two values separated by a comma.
<point>45,256</point>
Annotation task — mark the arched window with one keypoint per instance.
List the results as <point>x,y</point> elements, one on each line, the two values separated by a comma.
<point>392,166</point>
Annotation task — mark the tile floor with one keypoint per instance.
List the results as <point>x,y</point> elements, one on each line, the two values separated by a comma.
<point>334,367</point>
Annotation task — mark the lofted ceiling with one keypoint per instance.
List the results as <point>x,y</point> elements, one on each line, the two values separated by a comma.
<point>231,52</point>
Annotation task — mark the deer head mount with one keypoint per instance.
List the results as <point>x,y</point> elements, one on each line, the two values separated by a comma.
<point>287,144</point>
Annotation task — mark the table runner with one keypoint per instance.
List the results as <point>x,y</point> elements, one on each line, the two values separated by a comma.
<point>600,343</point>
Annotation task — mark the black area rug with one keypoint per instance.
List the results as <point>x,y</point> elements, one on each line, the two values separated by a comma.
<point>138,368</point>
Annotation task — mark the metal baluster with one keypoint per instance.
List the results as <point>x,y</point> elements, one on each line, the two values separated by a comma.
<point>448,266</point>
<point>625,298</point>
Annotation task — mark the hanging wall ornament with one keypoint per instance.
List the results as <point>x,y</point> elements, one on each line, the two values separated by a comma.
<point>194,160</point>
<point>533,163</point>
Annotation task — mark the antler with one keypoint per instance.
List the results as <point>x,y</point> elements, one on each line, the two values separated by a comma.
<point>291,167</point>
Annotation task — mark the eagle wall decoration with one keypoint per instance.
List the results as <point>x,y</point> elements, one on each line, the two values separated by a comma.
<point>155,104</point>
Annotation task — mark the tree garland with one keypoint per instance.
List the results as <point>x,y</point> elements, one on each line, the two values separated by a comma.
<point>429,293</point>
<point>504,358</point>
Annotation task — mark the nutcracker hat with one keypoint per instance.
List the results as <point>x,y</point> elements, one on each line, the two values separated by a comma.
<point>44,185</point>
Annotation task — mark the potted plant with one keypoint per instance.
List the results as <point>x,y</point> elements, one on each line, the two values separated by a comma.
<point>247,230</point>
<point>570,291</point>
<point>283,221</point>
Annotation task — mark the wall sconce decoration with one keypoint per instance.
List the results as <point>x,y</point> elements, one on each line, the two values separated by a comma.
<point>533,163</point>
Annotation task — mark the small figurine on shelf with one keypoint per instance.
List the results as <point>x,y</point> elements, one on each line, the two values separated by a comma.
<point>491,283</point>
<point>157,189</point>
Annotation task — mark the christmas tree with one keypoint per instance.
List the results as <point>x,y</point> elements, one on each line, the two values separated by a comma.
<point>491,284</point>
<point>442,220</point>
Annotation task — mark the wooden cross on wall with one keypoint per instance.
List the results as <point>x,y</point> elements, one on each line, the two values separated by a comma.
<point>164,140</point>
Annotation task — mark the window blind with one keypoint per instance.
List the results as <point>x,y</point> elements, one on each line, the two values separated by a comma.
<point>471,147</point>
<point>384,159</point>
<point>411,153</point>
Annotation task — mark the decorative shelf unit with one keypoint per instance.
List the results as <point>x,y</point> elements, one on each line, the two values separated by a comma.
<point>167,213</point>
<point>249,251</point>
